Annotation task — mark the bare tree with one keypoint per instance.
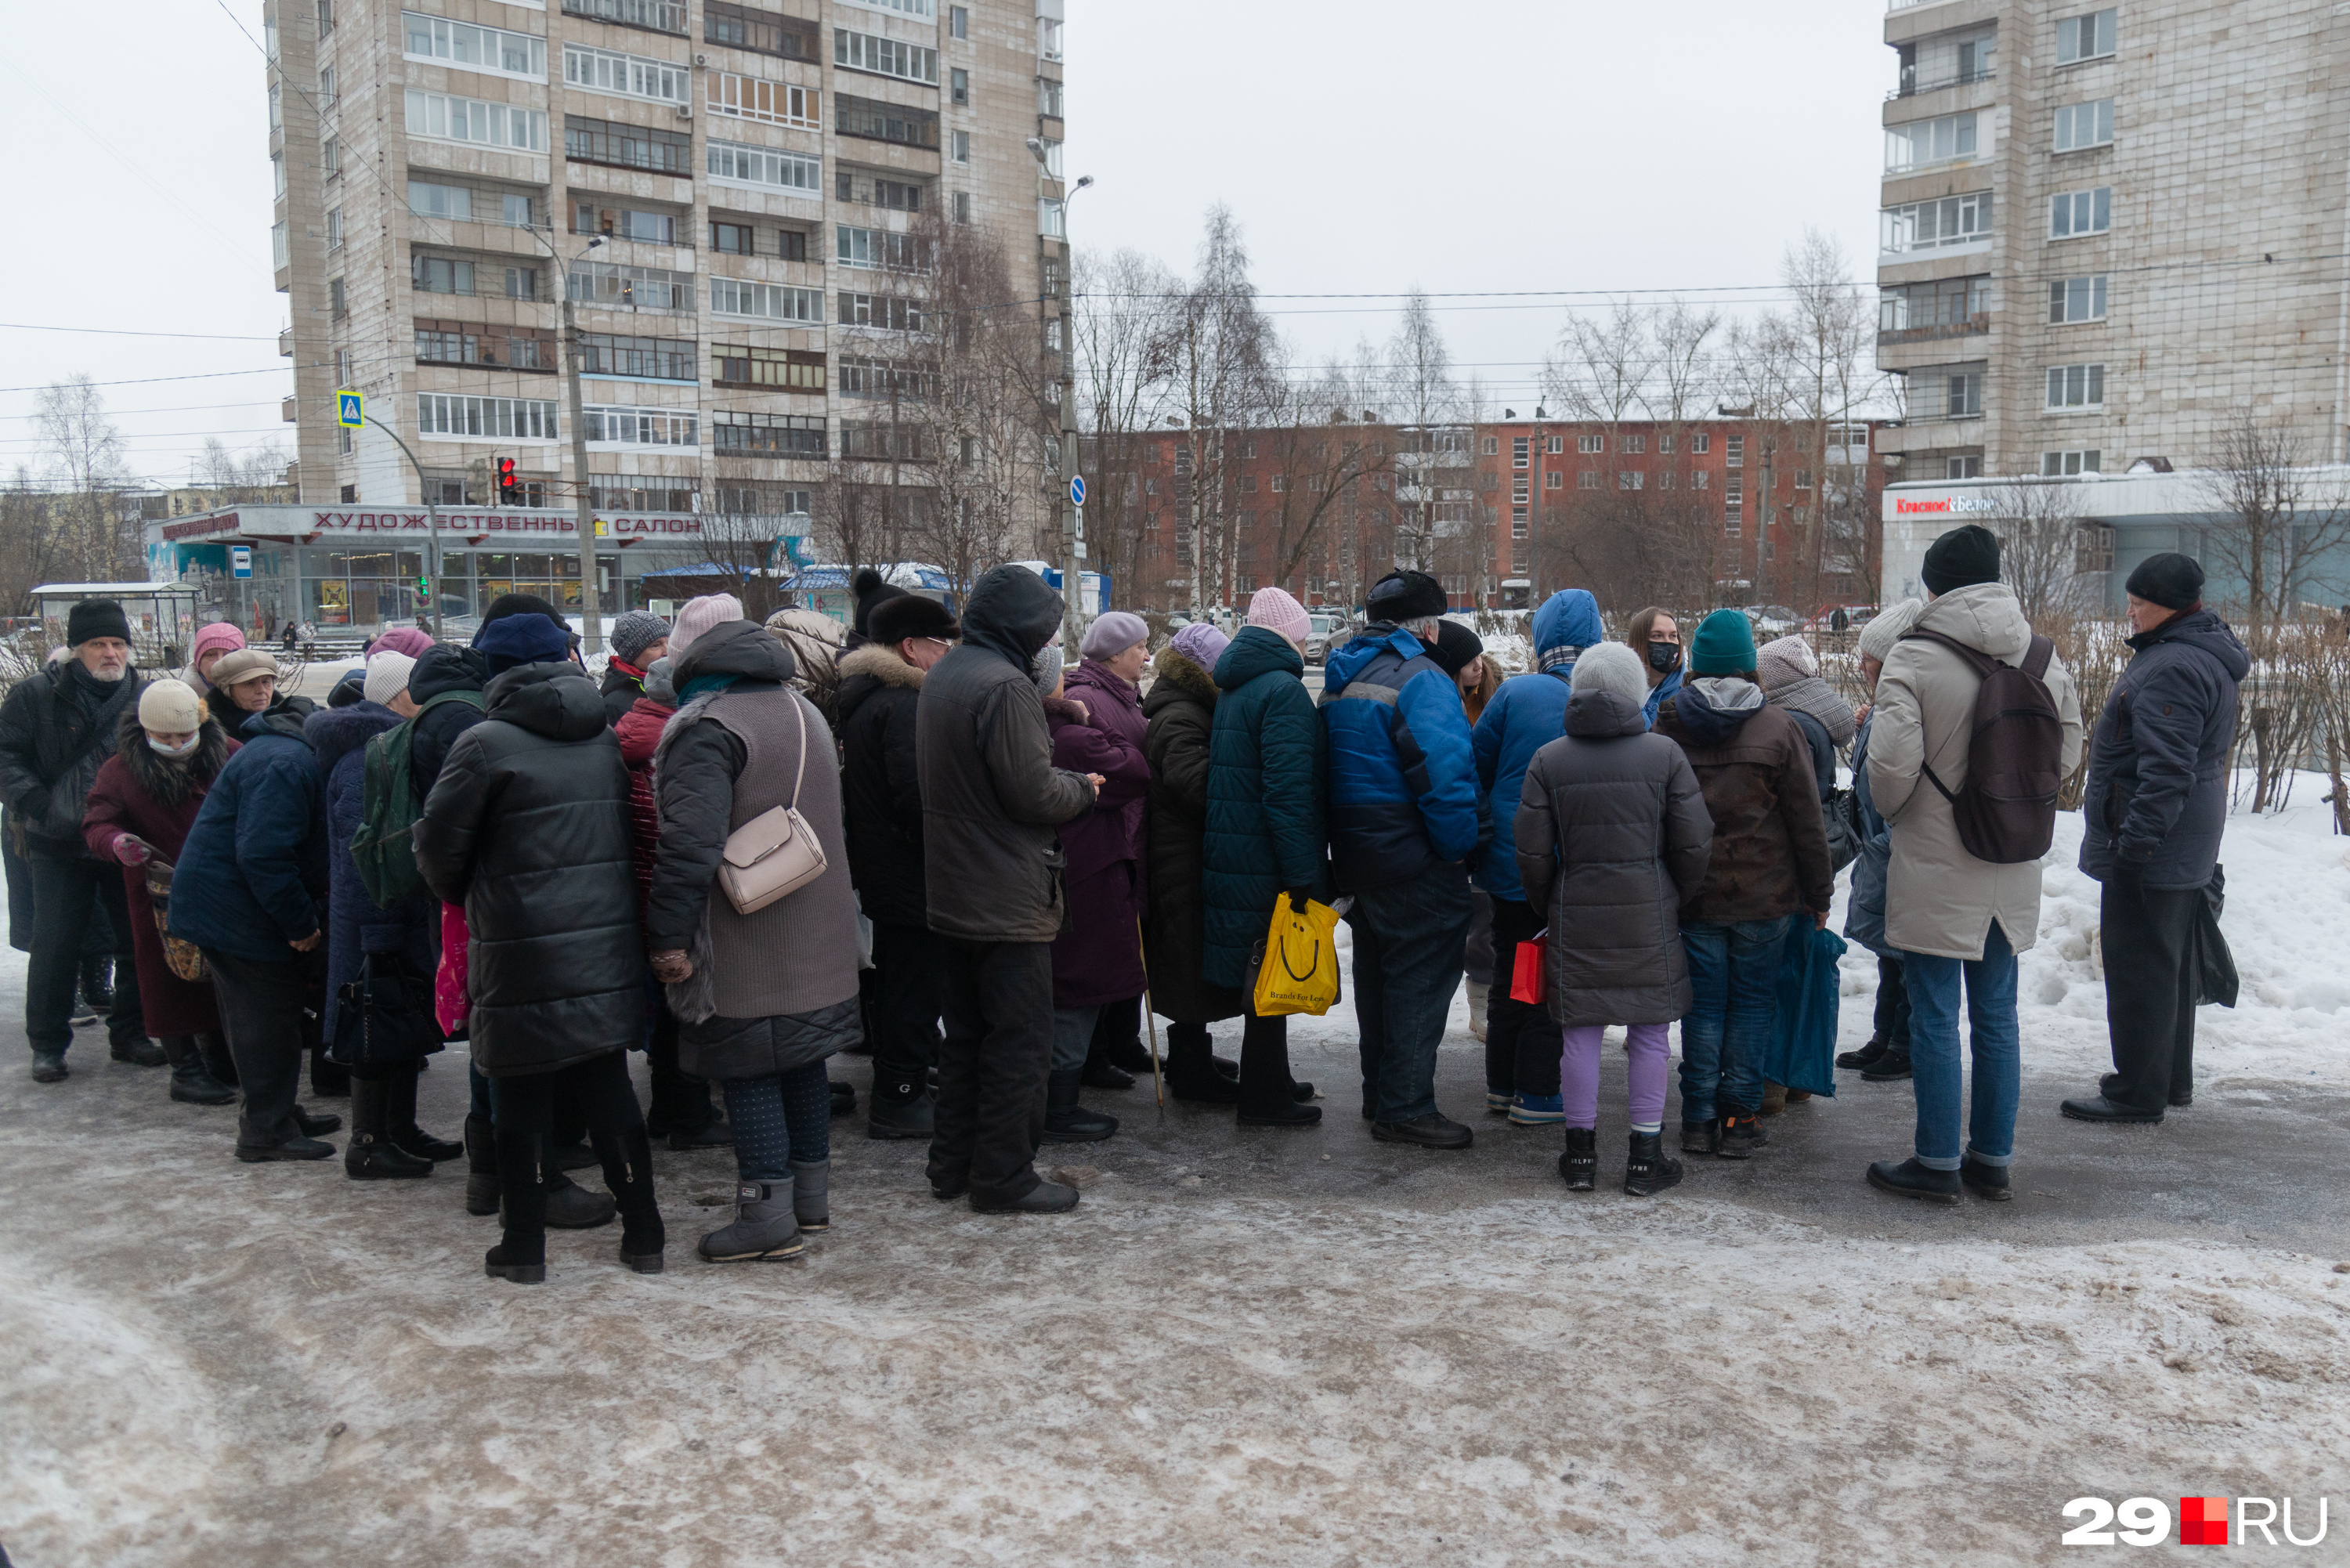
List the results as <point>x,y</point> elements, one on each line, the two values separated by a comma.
<point>29,541</point>
<point>2039,522</point>
<point>98,537</point>
<point>241,476</point>
<point>1224,374</point>
<point>1320,453</point>
<point>1425,404</point>
<point>1600,369</point>
<point>2280,522</point>
<point>1828,336</point>
<point>1126,314</point>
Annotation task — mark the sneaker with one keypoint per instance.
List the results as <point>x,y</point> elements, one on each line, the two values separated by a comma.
<point>1702,1138</point>
<point>1537,1110</point>
<point>1499,1103</point>
<point>1741,1136</point>
<point>1894,1065</point>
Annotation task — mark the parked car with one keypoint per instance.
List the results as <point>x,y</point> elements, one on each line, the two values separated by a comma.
<point>1855,618</point>
<point>1331,627</point>
<point>1774,621</point>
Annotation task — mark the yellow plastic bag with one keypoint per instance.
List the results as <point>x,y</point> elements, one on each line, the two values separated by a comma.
<point>1299,972</point>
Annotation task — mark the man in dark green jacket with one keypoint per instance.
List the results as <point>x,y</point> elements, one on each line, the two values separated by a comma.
<point>1263,840</point>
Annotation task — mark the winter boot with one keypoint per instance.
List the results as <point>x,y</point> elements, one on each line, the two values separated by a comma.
<point>1100,1073</point>
<point>628,1161</point>
<point>1478,991</point>
<point>329,1079</point>
<point>844,1098</point>
<point>1741,1136</point>
<point>1536,1110</point>
<point>1908,1179</point>
<point>399,1122</point>
<point>1649,1170</point>
<point>49,1067</point>
<point>1865,1057</point>
<point>1775,1098</point>
<point>1702,1138</point>
<point>1267,1099</point>
<point>1194,1073</point>
<point>1065,1121</point>
<point>811,1195</point>
<point>570,1156</point>
<point>1044,1198</point>
<point>481,1167</point>
<point>763,1230</point>
<point>1985,1181</point>
<point>217,1060</point>
<point>901,1105</point>
<point>1889,1068</point>
<point>316,1124</point>
<point>97,986</point>
<point>138,1053</point>
<point>571,1207</point>
<point>1580,1163</point>
<point>371,1154</point>
<point>191,1085</point>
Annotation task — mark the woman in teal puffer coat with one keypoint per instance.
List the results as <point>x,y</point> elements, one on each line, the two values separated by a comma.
<point>1263,839</point>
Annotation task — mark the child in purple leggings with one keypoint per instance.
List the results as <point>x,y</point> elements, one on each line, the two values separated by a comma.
<point>1612,832</point>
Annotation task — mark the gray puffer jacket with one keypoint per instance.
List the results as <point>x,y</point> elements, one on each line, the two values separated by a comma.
<point>1613,835</point>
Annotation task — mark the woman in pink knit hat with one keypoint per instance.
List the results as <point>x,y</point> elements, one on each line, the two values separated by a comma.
<point>211,642</point>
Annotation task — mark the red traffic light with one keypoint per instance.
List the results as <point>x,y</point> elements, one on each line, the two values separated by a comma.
<point>509,486</point>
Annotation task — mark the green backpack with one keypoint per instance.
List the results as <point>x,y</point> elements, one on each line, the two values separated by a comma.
<point>382,848</point>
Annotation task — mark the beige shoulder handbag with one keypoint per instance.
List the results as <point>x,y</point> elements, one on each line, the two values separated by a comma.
<point>776,854</point>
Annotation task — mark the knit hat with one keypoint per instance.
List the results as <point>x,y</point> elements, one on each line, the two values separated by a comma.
<point>507,605</point>
<point>1274,609</point>
<point>1784,662</point>
<point>700,616</point>
<point>387,676</point>
<point>1047,665</point>
<point>1112,635</point>
<point>220,635</point>
<point>1725,645</point>
<point>96,618</point>
<point>2170,579</point>
<point>872,591</point>
<point>635,631</point>
<point>1612,666</point>
<point>411,640</point>
<point>1456,646</point>
<point>660,684</point>
<point>519,640</point>
<point>168,708</point>
<point>894,621</point>
<point>1201,643</point>
<point>1961,558</point>
<point>1406,596</point>
<point>241,666</point>
<point>1888,627</point>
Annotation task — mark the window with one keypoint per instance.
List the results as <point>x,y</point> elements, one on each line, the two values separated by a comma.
<point>627,146</point>
<point>1518,447</point>
<point>1733,452</point>
<point>1962,468</point>
<point>1931,225</point>
<point>1519,483</point>
<point>1636,443</point>
<point>786,369</point>
<point>1700,441</point>
<point>1554,480</point>
<point>1491,446</point>
<point>277,172</point>
<point>2060,464</point>
<point>1048,97</point>
<point>1519,527</point>
<point>959,85</point>
<point>1700,479</point>
<point>470,119</point>
<point>330,159</point>
<point>1630,479</point>
<point>277,108</point>
<point>1963,395</point>
<point>427,199</point>
<point>1803,479</point>
<point>962,206</point>
<point>884,56</point>
<point>958,21</point>
<point>1588,480</point>
<point>629,76</point>
<point>1730,522</point>
<point>338,301</point>
<point>790,244</point>
<point>641,359</point>
<point>731,239</point>
<point>1557,443</point>
<point>776,103</point>
<point>1048,38</point>
<point>624,224</point>
<point>326,17</point>
<point>734,163</point>
<point>440,274</point>
<point>333,228</point>
<point>487,49</point>
<point>653,15</point>
<point>514,210</point>
<point>1928,141</point>
<point>877,121</point>
<point>614,427</point>
<point>879,379</point>
<point>2076,387</point>
<point>2075,213</point>
<point>876,248</point>
<point>615,286</point>
<point>767,435</point>
<point>461,343</point>
<point>633,492</point>
<point>326,90</point>
<point>760,31</point>
<point>927,10</point>
<point>485,418</point>
<point>2080,125</point>
<point>1926,307</point>
<point>2072,299</point>
<point>961,146</point>
<point>2084,37</point>
<point>342,367</point>
<point>886,311</point>
<point>774,301</point>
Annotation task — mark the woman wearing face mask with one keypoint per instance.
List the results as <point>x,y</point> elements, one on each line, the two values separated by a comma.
<point>1658,640</point>
<point>141,807</point>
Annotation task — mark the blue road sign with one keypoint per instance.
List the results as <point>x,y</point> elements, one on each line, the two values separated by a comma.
<point>349,411</point>
<point>1077,490</point>
<point>240,560</point>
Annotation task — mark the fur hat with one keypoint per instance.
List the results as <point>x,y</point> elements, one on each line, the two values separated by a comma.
<point>241,666</point>
<point>895,619</point>
<point>870,590</point>
<point>1112,635</point>
<point>1274,609</point>
<point>387,676</point>
<point>635,631</point>
<point>1784,662</point>
<point>1611,666</point>
<point>170,707</point>
<point>1406,596</point>
<point>699,616</point>
<point>96,618</point>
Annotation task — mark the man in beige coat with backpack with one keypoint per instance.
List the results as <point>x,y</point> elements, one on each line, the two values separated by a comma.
<point>1976,725</point>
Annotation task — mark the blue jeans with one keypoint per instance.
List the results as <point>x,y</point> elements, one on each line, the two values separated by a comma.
<point>1410,939</point>
<point>1734,971</point>
<point>1997,1041</point>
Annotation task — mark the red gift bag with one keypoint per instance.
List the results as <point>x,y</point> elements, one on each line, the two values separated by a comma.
<point>1528,981</point>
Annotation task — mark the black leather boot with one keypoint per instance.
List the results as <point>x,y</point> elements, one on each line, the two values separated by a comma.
<point>191,1085</point>
<point>213,1048</point>
<point>1580,1163</point>
<point>628,1161</point>
<point>481,1185</point>
<point>401,1127</point>
<point>371,1156</point>
<point>1651,1169</point>
<point>1065,1121</point>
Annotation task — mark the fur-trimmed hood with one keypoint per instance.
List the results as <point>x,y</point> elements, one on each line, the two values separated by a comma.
<point>169,783</point>
<point>880,661</point>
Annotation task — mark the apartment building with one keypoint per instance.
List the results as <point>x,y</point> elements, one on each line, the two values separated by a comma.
<point>2107,231</point>
<point>753,179</point>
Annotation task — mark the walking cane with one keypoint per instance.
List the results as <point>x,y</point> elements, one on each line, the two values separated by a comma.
<point>1157,1082</point>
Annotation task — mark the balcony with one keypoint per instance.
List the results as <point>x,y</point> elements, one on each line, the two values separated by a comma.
<point>1911,86</point>
<point>651,16</point>
<point>285,410</point>
<point>1966,326</point>
<point>285,343</point>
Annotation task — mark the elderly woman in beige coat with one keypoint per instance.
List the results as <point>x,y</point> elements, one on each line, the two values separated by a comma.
<point>1956,918</point>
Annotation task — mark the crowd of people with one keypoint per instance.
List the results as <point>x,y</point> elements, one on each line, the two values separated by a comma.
<point>748,848</point>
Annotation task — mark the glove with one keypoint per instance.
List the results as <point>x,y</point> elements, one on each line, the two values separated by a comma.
<point>2127,879</point>
<point>1298,897</point>
<point>671,967</point>
<point>131,849</point>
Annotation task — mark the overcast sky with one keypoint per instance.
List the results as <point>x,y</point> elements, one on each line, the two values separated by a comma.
<point>1365,150</point>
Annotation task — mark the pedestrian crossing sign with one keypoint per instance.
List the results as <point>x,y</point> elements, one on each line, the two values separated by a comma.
<point>347,411</point>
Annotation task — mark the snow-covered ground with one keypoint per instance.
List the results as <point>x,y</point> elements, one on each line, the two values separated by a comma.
<point>1245,1347</point>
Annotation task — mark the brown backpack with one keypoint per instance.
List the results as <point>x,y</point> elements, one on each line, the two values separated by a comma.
<point>2006,809</point>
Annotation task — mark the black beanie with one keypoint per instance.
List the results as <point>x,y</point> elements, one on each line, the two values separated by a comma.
<point>507,605</point>
<point>1406,596</point>
<point>96,618</point>
<point>2170,579</point>
<point>905,615</point>
<point>869,589</point>
<point>1961,558</point>
<point>1455,647</point>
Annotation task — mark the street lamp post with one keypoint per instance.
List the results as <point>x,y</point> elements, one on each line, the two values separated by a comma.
<point>431,524</point>
<point>1072,543</point>
<point>591,614</point>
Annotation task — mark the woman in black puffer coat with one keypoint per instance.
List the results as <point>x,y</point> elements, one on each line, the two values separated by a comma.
<point>528,827</point>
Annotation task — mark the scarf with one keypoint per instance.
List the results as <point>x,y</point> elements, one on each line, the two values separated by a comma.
<point>701,685</point>
<point>1815,697</point>
<point>1561,658</point>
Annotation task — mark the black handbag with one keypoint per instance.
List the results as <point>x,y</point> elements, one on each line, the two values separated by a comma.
<point>385,1019</point>
<point>1846,835</point>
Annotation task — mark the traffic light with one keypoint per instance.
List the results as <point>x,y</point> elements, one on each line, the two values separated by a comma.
<point>509,486</point>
